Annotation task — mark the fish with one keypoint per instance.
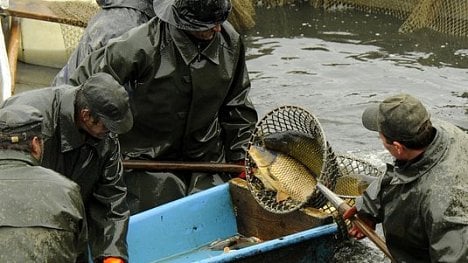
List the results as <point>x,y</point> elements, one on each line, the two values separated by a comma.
<point>235,242</point>
<point>309,150</point>
<point>301,146</point>
<point>283,174</point>
<point>349,186</point>
<point>355,176</point>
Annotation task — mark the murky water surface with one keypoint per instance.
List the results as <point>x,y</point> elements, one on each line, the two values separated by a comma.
<point>335,64</point>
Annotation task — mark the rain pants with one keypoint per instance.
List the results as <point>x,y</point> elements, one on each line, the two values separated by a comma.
<point>95,165</point>
<point>423,206</point>
<point>42,216</point>
<point>113,19</point>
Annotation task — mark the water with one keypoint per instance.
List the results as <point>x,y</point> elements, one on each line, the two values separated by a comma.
<point>335,64</point>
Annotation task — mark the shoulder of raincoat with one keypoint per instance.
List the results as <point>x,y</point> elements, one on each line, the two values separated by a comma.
<point>189,102</point>
<point>145,6</point>
<point>115,18</point>
<point>423,206</point>
<point>95,165</point>
<point>42,203</point>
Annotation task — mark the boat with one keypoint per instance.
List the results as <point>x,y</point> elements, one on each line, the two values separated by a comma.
<point>182,230</point>
<point>186,229</point>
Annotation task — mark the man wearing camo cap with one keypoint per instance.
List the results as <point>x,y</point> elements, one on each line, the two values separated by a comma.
<point>422,200</point>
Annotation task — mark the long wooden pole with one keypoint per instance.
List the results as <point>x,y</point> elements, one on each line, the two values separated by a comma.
<point>39,10</point>
<point>13,49</point>
<point>342,207</point>
<point>183,166</point>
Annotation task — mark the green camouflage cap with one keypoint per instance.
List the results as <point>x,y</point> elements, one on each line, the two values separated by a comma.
<point>399,117</point>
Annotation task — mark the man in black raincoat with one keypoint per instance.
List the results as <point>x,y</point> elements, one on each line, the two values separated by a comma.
<point>42,216</point>
<point>422,200</point>
<point>80,124</point>
<point>186,75</point>
<point>113,19</point>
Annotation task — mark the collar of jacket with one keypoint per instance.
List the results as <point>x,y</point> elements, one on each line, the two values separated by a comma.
<point>70,136</point>
<point>7,156</point>
<point>189,50</point>
<point>434,152</point>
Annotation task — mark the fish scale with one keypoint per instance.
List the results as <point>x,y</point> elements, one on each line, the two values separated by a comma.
<point>303,147</point>
<point>283,174</point>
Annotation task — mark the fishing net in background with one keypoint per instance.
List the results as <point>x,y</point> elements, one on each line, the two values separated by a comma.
<point>81,11</point>
<point>444,16</point>
<point>242,17</point>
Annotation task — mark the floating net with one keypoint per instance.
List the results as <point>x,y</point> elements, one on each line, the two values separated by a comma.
<point>444,16</point>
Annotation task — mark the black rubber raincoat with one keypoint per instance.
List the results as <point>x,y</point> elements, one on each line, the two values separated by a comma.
<point>94,164</point>
<point>424,205</point>
<point>113,19</point>
<point>190,103</point>
<point>42,216</point>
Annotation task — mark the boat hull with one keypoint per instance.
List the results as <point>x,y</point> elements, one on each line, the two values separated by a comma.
<point>181,231</point>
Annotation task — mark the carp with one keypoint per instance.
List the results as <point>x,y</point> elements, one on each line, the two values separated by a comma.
<point>283,174</point>
<point>308,150</point>
<point>351,183</point>
<point>303,147</point>
<point>348,185</point>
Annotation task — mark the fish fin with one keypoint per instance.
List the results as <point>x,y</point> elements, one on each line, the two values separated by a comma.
<point>272,175</point>
<point>281,196</point>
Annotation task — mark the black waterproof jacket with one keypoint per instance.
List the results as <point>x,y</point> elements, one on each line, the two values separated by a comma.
<point>113,19</point>
<point>42,216</point>
<point>94,164</point>
<point>190,103</point>
<point>424,205</point>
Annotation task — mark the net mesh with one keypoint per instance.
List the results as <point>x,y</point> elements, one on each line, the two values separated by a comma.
<point>354,177</point>
<point>242,17</point>
<point>81,11</point>
<point>444,16</point>
<point>294,119</point>
<point>345,175</point>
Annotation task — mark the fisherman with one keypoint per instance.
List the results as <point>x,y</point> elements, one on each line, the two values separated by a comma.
<point>80,142</point>
<point>114,18</point>
<point>42,215</point>
<point>186,74</point>
<point>422,200</point>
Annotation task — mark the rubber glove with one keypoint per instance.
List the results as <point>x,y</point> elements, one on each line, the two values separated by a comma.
<point>354,231</point>
<point>113,260</point>
<point>242,174</point>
